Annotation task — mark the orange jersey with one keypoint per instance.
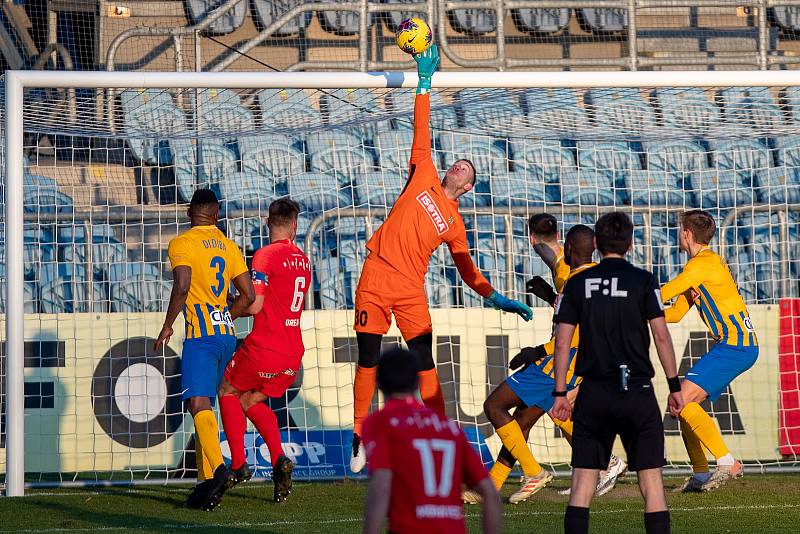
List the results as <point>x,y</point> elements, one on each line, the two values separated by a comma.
<point>423,218</point>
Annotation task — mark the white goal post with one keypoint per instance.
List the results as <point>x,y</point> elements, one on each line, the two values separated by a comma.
<point>16,83</point>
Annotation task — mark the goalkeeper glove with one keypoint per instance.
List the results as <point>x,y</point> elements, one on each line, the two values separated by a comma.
<point>508,305</point>
<point>427,63</point>
<point>541,289</point>
<point>526,356</point>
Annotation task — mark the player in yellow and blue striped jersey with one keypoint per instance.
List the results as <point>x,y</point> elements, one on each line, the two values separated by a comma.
<point>706,283</point>
<point>204,263</point>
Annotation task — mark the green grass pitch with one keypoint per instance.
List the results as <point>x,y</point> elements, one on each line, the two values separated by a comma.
<point>757,503</point>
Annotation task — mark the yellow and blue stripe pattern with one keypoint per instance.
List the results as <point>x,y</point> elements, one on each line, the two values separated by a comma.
<point>706,282</point>
<point>214,261</point>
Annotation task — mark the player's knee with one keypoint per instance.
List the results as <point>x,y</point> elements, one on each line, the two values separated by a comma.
<point>422,348</point>
<point>198,404</point>
<point>369,349</point>
<point>246,400</point>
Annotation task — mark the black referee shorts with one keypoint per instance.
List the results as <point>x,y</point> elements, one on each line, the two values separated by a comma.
<point>602,412</point>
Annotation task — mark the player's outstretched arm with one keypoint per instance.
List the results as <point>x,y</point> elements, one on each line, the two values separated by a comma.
<point>181,281</point>
<point>691,276</point>
<point>562,409</point>
<point>377,503</point>
<point>427,63</point>
<point>246,299</point>
<point>666,353</point>
<point>492,509</point>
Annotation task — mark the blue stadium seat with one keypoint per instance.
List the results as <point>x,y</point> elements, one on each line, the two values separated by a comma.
<point>140,293</point>
<point>348,108</point>
<point>223,114</point>
<point>341,22</point>
<point>46,200</point>
<point>438,287</point>
<point>284,109</point>
<point>394,18</point>
<point>249,190</point>
<point>792,99</point>
<point>555,110</point>
<point>654,187</point>
<point>272,156</point>
<point>687,109</point>
<point>218,163</point>
<point>473,21</point>
<point>754,107</point>
<point>340,153</point>
<point>782,184</point>
<point>106,250</point>
<point>680,159</point>
<point>667,260</point>
<point>787,17</point>
<point>545,159</point>
<point>587,187</point>
<point>490,111</point>
<point>485,154</point>
<point>199,10</point>
<point>337,284</point>
<point>604,20</point>
<point>31,299</point>
<point>394,150</point>
<point>124,270</point>
<point>443,112</point>
<point>721,189</point>
<point>487,252</point>
<point>539,20</point>
<point>746,157</point>
<point>316,191</point>
<point>64,288</point>
<point>148,116</point>
<point>266,12</point>
<point>378,189</point>
<point>615,160</point>
<point>621,110</point>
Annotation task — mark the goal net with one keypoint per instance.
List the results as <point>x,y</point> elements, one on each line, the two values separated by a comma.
<point>102,177</point>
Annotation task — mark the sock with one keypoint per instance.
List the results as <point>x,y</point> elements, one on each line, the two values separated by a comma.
<point>576,520</point>
<point>566,428</point>
<point>726,460</point>
<point>363,391</point>
<point>697,456</point>
<point>704,428</point>
<point>702,477</point>
<point>499,473</point>
<point>207,433</point>
<point>656,522</point>
<point>235,424</point>
<point>204,471</point>
<point>514,441</point>
<point>266,423</point>
<point>431,391</point>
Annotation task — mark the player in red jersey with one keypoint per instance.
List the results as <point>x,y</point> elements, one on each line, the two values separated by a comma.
<point>418,461</point>
<point>268,361</point>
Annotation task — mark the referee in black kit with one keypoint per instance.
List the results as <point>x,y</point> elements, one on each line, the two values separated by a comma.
<point>613,303</point>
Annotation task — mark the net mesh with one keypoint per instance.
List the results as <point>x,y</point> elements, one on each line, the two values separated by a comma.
<point>106,181</point>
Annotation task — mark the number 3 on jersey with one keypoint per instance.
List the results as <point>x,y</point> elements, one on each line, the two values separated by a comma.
<point>218,264</point>
<point>426,448</point>
<point>299,292</point>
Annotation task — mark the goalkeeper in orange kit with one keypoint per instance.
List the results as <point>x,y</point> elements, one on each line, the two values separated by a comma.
<point>392,282</point>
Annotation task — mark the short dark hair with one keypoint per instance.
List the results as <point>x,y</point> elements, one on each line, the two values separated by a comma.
<point>701,224</point>
<point>397,372</point>
<point>614,233</point>
<point>203,197</point>
<point>543,225</point>
<point>579,241</point>
<point>283,212</point>
<point>474,170</point>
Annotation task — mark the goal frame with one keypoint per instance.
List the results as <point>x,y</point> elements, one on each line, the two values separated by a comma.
<point>17,81</point>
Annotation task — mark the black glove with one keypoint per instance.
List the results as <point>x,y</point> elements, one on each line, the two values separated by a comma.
<point>527,356</point>
<point>541,289</point>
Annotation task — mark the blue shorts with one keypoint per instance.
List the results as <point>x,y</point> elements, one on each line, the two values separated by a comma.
<point>203,365</point>
<point>533,387</point>
<point>720,366</point>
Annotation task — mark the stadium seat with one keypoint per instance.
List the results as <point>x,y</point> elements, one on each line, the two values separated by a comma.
<point>792,99</point>
<point>438,288</point>
<point>106,250</point>
<point>285,109</point>
<point>587,187</point>
<point>340,153</point>
<point>491,111</point>
<point>667,260</point>
<point>538,20</point>
<point>378,189</point>
<point>199,10</point>
<point>678,158</point>
<point>443,111</point>
<point>124,270</point>
<point>266,12</point>
<point>746,157</point>
<point>348,109</point>
<point>218,162</point>
<point>655,187</point>
<point>31,299</point>
<point>554,111</point>
<point>621,110</point>
<point>487,156</point>
<point>687,109</point>
<point>473,21</point>
<point>140,293</point>
<point>316,191</point>
<point>787,17</point>
<point>337,285</point>
<point>271,156</point>
<point>394,150</point>
<point>341,22</point>
<point>46,200</point>
<point>545,159</point>
<point>249,190</point>
<point>394,18</point>
<point>149,116</point>
<point>223,114</point>
<point>603,20</point>
<point>754,107</point>
<point>64,288</point>
<point>721,188</point>
<point>488,252</point>
<point>782,183</point>
<point>615,160</point>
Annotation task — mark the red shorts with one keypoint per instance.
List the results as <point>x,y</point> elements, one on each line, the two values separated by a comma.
<point>257,369</point>
<point>382,292</point>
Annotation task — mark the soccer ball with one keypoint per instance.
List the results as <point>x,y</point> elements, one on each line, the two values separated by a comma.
<point>414,36</point>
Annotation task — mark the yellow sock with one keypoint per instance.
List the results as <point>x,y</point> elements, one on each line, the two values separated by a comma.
<point>512,438</point>
<point>704,428</point>
<point>499,473</point>
<point>695,449</point>
<point>207,433</point>
<point>204,471</point>
<point>566,428</point>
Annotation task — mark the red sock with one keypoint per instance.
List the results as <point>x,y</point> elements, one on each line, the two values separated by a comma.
<point>431,391</point>
<point>363,392</point>
<point>267,425</point>
<point>235,424</point>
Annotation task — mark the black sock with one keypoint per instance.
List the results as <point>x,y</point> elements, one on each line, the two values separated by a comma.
<point>656,522</point>
<point>576,520</point>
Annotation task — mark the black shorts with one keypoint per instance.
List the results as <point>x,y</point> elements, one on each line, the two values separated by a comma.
<point>602,412</point>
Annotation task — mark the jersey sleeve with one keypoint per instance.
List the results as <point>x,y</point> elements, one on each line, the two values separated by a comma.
<point>691,276</point>
<point>679,308</point>
<point>473,471</point>
<point>560,273</point>
<point>237,263</point>
<point>260,272</point>
<point>653,303</point>
<point>376,444</point>
<point>568,306</point>
<point>179,253</point>
<point>466,267</point>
